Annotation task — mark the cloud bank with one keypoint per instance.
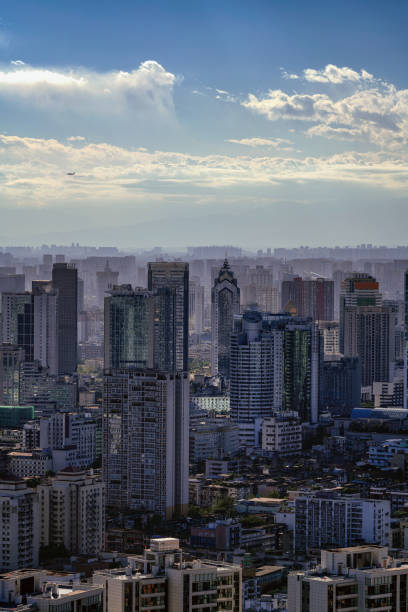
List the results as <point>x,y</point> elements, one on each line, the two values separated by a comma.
<point>149,87</point>
<point>33,171</point>
<point>376,112</point>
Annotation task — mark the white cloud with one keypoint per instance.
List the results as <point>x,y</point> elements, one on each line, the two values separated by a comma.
<point>276,143</point>
<point>376,113</point>
<point>34,170</point>
<point>76,138</point>
<point>148,87</point>
<point>289,76</point>
<point>335,74</point>
<point>17,62</point>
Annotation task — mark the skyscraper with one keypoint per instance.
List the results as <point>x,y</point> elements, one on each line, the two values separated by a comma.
<point>340,388</point>
<point>360,289</point>
<point>18,321</point>
<point>145,440</point>
<point>45,326</point>
<point>196,306</point>
<point>173,277</point>
<point>311,297</point>
<point>129,328</point>
<point>225,303</point>
<point>301,369</point>
<point>406,340</point>
<point>11,356</point>
<point>369,333</point>
<point>65,280</point>
<point>275,366</point>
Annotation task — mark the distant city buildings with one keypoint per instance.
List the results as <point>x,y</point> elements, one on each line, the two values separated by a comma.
<point>311,297</point>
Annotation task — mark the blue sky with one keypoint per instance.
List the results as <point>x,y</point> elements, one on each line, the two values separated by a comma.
<point>262,123</point>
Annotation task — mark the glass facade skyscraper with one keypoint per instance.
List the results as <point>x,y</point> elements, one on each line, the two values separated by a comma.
<point>170,280</point>
<point>65,280</point>
<point>128,328</point>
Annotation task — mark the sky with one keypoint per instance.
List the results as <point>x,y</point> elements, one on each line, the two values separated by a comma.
<point>260,123</point>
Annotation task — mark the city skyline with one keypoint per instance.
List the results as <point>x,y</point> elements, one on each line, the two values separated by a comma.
<point>127,122</point>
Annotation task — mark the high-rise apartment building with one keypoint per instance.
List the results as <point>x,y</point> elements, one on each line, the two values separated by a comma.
<point>129,319</point>
<point>73,512</point>
<point>256,374</point>
<point>369,333</point>
<point>11,357</point>
<point>225,303</point>
<point>172,281</point>
<point>65,281</point>
<point>19,542</point>
<point>312,298</point>
<point>340,385</point>
<point>275,365</point>
<point>145,440</point>
<point>45,326</point>
<point>330,333</point>
<point>359,289</point>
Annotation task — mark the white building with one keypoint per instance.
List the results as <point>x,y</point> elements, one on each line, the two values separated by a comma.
<point>381,453</point>
<point>19,542</point>
<point>162,580</point>
<point>354,579</point>
<point>73,512</point>
<point>31,590</point>
<point>45,327</point>
<point>212,403</point>
<point>322,519</point>
<point>282,434</point>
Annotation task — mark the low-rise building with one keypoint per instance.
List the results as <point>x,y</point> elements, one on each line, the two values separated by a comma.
<point>282,434</point>
<point>33,590</point>
<point>381,454</point>
<point>34,463</point>
<point>218,535</point>
<point>353,579</point>
<point>162,580</point>
<point>213,439</point>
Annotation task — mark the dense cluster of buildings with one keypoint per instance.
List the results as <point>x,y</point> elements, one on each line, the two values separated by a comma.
<point>253,406</point>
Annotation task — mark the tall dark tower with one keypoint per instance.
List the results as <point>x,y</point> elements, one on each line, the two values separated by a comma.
<point>225,303</point>
<point>406,341</point>
<point>170,279</point>
<point>65,280</point>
